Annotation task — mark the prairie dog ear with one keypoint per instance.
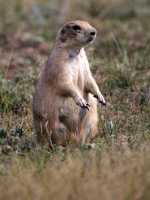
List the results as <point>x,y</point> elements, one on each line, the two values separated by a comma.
<point>65,32</point>
<point>65,29</point>
<point>63,35</point>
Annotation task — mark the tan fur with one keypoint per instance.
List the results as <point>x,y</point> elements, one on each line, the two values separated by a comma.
<point>65,88</point>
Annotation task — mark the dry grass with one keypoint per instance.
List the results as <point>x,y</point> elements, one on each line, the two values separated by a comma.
<point>109,174</point>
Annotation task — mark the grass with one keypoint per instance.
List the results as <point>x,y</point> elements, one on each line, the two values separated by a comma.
<point>111,173</point>
<point>118,166</point>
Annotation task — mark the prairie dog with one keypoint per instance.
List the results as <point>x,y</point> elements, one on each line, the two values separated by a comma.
<point>66,94</point>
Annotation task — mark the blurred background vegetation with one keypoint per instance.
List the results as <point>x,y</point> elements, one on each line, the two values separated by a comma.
<point>120,62</point>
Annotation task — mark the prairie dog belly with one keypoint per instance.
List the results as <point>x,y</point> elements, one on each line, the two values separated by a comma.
<point>75,66</point>
<point>69,114</point>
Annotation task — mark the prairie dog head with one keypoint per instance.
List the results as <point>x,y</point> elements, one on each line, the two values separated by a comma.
<point>76,34</point>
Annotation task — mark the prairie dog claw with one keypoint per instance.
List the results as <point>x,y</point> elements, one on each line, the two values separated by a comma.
<point>100,99</point>
<point>82,103</point>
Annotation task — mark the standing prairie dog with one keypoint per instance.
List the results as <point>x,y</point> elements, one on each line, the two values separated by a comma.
<point>66,94</point>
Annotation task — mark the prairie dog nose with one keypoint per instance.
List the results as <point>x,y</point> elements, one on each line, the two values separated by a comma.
<point>93,33</point>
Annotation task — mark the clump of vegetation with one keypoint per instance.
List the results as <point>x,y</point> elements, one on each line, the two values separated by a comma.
<point>14,94</point>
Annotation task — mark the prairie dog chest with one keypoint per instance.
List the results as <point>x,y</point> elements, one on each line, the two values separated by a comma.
<point>77,66</point>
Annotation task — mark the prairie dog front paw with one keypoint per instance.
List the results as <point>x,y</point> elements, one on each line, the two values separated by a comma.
<point>82,103</point>
<point>100,99</point>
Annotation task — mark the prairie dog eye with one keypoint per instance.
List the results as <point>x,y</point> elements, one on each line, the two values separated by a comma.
<point>76,28</point>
